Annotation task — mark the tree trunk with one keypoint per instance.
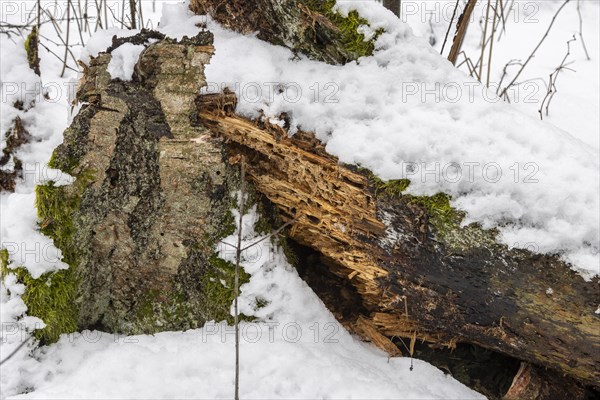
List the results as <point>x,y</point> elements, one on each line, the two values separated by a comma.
<point>410,264</point>
<point>149,204</point>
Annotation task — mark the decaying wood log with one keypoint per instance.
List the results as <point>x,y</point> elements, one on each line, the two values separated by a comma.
<point>412,265</point>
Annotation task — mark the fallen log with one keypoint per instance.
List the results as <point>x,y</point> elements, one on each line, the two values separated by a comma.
<point>411,264</point>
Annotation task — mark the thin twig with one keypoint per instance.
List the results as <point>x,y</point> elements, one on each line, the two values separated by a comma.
<point>141,14</point>
<point>532,55</point>
<point>68,36</point>
<point>98,16</point>
<point>552,81</point>
<point>450,26</point>
<point>275,232</point>
<point>238,258</point>
<point>505,15</point>
<point>23,343</point>
<point>587,55</point>
<point>512,62</point>
<point>489,69</point>
<point>469,63</point>
<point>78,24</point>
<point>39,14</point>
<point>54,54</point>
<point>502,17</point>
<point>86,26</point>
<point>483,41</point>
<point>105,13</point>
<point>121,21</point>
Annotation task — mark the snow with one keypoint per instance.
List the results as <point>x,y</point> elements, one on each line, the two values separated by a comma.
<point>192,365</point>
<point>18,231</point>
<point>44,117</point>
<point>102,39</point>
<point>575,106</point>
<point>123,61</point>
<point>406,112</point>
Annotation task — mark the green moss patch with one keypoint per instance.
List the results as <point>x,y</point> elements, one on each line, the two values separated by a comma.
<point>441,214</point>
<point>31,47</point>
<point>442,217</point>
<point>218,284</point>
<point>391,188</point>
<point>354,42</point>
<point>51,297</point>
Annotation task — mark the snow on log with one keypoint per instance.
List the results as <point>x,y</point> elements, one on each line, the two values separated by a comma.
<point>409,260</point>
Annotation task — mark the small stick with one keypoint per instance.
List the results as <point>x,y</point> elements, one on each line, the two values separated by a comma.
<point>534,50</point>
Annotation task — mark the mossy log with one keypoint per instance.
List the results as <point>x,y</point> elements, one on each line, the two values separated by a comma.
<point>412,266</point>
<point>309,27</point>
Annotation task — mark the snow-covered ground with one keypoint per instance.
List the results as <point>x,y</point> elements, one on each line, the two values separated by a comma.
<point>575,106</point>
<point>298,351</point>
<point>404,112</point>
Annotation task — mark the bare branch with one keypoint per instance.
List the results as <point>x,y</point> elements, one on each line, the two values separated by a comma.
<point>450,26</point>
<point>581,31</point>
<point>532,55</point>
<point>484,40</point>
<point>552,81</point>
<point>489,69</point>
<point>461,31</point>
<point>23,343</point>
